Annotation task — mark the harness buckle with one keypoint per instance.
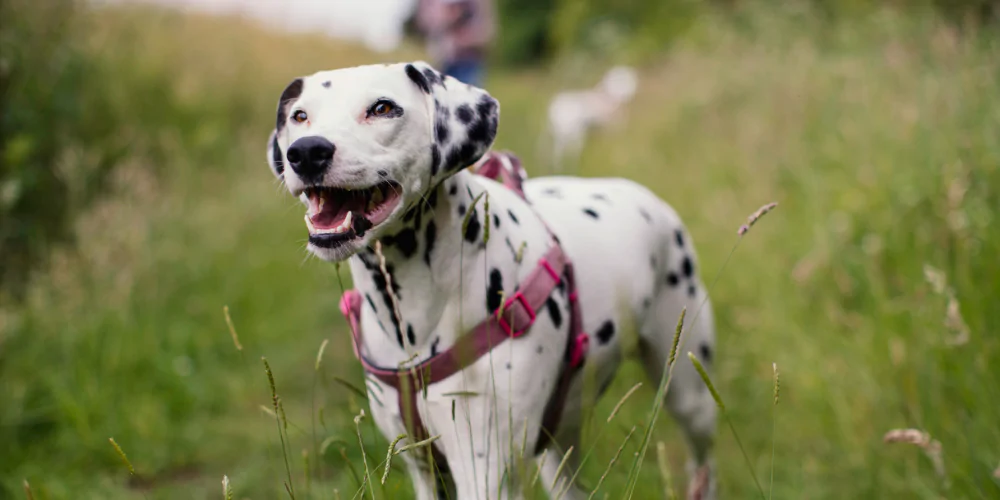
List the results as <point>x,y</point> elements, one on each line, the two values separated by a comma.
<point>507,327</point>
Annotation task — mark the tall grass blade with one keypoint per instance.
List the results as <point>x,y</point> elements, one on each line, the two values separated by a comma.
<point>722,408</point>
<point>774,417</point>
<point>661,459</point>
<point>622,401</point>
<point>612,463</point>
<point>279,410</point>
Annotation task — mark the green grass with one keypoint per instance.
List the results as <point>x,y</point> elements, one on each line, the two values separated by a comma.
<point>880,139</point>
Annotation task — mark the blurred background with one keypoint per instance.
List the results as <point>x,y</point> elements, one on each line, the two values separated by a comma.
<point>136,203</point>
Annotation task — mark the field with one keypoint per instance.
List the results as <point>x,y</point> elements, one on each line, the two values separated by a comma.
<point>874,286</point>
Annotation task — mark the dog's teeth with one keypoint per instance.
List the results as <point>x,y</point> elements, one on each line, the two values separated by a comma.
<point>375,200</point>
<point>309,224</point>
<point>347,222</point>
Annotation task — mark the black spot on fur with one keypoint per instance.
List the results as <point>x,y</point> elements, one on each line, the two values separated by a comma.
<point>453,190</point>
<point>435,159</point>
<point>405,241</point>
<point>606,331</point>
<point>430,203</point>
<point>441,131</point>
<point>486,107</point>
<point>434,346</point>
<point>692,290</point>
<point>291,92</point>
<point>371,303</point>
<point>326,84</point>
<point>554,311</point>
<point>464,114</point>
<point>371,263</point>
<point>706,352</point>
<point>652,261</point>
<point>646,303</point>
<point>496,221</point>
<point>483,129</point>
<point>472,230</point>
<point>461,156</point>
<point>433,77</point>
<point>418,78</point>
<point>539,349</point>
<point>276,157</point>
<point>680,237</point>
<point>673,279</point>
<point>591,213</point>
<point>461,209</point>
<point>645,215</point>
<point>512,217</point>
<point>687,267</point>
<point>383,173</point>
<point>553,192</point>
<point>599,196</point>
<point>493,290</point>
<point>410,336</point>
<point>430,234</point>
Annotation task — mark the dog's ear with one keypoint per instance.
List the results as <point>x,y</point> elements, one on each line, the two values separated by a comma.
<point>465,118</point>
<point>275,157</point>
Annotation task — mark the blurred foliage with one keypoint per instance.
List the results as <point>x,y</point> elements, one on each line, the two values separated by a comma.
<point>534,30</point>
<point>58,133</point>
<point>74,107</point>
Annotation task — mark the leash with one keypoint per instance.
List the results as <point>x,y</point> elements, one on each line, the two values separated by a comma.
<point>512,320</point>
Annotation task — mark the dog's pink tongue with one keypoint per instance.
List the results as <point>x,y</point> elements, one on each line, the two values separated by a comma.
<point>328,209</point>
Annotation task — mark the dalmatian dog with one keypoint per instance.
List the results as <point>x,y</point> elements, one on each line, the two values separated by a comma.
<point>378,156</point>
<point>574,114</point>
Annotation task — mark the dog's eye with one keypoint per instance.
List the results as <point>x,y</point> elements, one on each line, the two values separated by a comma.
<point>300,116</point>
<point>383,108</point>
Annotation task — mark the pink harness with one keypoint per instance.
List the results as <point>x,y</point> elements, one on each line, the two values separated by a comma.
<point>512,320</point>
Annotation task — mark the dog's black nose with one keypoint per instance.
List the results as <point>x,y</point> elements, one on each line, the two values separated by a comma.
<point>310,156</point>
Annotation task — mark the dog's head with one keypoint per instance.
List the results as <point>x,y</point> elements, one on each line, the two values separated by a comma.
<point>620,83</point>
<point>359,146</point>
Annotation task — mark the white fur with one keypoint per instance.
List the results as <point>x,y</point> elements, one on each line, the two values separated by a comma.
<point>623,258</point>
<point>573,114</point>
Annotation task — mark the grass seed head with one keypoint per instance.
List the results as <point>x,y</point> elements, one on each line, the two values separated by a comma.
<point>319,355</point>
<point>232,329</point>
<point>677,337</point>
<point>708,381</point>
<point>121,453</point>
<point>777,382</point>
<point>756,216</point>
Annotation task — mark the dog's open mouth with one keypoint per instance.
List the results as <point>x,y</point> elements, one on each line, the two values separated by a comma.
<point>337,215</point>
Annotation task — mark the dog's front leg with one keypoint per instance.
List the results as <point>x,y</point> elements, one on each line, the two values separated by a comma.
<point>479,446</point>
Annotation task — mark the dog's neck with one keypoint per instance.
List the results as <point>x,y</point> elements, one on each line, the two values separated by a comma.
<point>431,280</point>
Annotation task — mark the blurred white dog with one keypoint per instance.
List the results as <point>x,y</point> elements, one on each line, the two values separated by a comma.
<point>573,114</point>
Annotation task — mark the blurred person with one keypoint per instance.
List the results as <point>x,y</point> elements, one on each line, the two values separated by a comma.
<point>459,34</point>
